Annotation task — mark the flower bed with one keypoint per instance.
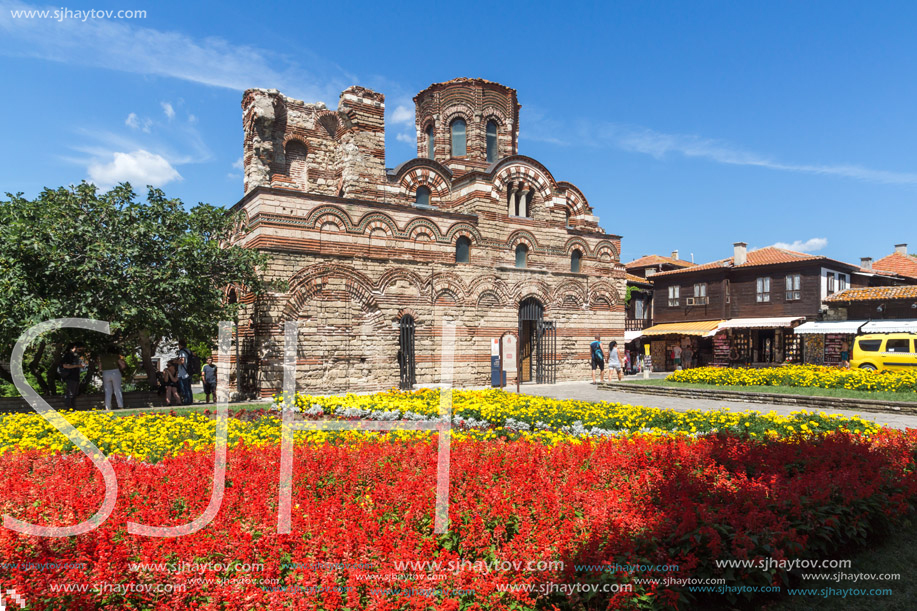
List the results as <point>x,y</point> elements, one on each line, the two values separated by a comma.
<point>812,376</point>
<point>365,507</point>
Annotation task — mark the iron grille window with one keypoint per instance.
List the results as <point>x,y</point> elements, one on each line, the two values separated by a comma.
<point>430,142</point>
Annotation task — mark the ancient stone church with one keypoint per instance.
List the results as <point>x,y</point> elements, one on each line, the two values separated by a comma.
<point>377,259</point>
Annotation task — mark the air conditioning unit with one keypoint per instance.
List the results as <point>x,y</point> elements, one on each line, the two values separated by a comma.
<point>690,301</point>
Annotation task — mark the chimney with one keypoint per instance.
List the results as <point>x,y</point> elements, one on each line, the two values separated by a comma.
<point>901,249</point>
<point>866,262</point>
<point>739,253</point>
<point>675,254</point>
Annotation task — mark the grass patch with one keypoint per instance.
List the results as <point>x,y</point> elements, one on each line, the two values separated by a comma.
<point>196,408</point>
<point>843,393</point>
<point>895,554</point>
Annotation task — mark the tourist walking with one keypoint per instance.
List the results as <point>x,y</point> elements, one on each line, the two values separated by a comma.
<point>845,354</point>
<point>112,364</point>
<point>184,378</point>
<point>614,360</point>
<point>71,364</point>
<point>170,377</point>
<point>209,378</point>
<point>597,359</point>
<point>676,356</point>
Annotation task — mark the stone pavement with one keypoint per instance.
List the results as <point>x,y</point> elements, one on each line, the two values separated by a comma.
<point>586,391</point>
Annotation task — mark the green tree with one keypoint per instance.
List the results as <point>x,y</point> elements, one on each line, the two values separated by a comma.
<point>156,271</point>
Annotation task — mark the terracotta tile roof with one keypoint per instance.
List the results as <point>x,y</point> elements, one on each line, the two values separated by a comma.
<point>647,260</point>
<point>770,255</point>
<point>903,265</point>
<point>638,279</point>
<point>875,293</point>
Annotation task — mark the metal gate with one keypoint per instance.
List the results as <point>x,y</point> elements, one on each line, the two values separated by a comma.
<point>546,352</point>
<point>406,365</point>
<point>537,344</point>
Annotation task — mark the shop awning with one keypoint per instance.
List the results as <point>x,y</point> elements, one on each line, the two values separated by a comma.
<point>630,336</point>
<point>890,326</point>
<point>761,323</point>
<point>703,328</point>
<point>841,327</point>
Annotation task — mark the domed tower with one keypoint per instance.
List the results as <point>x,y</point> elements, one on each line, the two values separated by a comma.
<point>467,124</point>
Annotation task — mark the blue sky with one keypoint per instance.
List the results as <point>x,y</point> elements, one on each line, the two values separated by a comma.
<point>687,125</point>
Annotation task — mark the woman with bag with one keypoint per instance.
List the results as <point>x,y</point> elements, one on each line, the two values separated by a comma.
<point>112,364</point>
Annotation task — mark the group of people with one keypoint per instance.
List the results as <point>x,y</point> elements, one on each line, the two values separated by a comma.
<point>110,363</point>
<point>175,381</point>
<point>598,359</point>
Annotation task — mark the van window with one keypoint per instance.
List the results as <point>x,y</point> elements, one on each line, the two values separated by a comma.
<point>897,345</point>
<point>870,345</point>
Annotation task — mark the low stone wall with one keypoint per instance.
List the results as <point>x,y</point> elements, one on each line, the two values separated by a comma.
<point>802,401</point>
<point>84,402</point>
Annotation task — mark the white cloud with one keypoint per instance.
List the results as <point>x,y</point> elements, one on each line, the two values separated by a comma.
<point>237,164</point>
<point>135,122</point>
<point>167,108</point>
<point>192,119</point>
<point>406,138</point>
<point>140,168</point>
<point>810,245</point>
<point>402,115</point>
<point>659,145</point>
<point>123,45</point>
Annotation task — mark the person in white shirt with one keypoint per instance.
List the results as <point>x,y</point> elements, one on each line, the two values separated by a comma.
<point>614,359</point>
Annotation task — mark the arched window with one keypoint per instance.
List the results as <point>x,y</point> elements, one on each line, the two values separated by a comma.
<point>491,141</point>
<point>430,142</point>
<point>575,258</point>
<point>462,250</point>
<point>423,196</point>
<point>296,163</point>
<point>567,216</point>
<point>522,255</point>
<point>458,138</point>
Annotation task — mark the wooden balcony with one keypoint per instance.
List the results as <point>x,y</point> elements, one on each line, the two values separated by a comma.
<point>637,324</point>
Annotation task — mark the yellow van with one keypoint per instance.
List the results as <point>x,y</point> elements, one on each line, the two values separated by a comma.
<point>885,352</point>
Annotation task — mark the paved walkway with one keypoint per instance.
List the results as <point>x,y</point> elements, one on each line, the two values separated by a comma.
<point>585,391</point>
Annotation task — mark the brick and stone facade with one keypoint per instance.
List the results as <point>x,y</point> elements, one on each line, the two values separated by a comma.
<point>358,252</point>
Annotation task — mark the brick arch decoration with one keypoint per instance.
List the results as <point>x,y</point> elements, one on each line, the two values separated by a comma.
<point>343,219</point>
<point>522,236</point>
<point>448,282</point>
<point>406,312</point>
<point>425,177</point>
<point>456,111</point>
<point>308,283</point>
<point>489,283</point>
<point>518,171</point>
<point>580,243</point>
<point>417,226</point>
<point>240,230</point>
<point>568,288</point>
<point>490,299</point>
<point>463,230</point>
<point>603,295</point>
<point>531,288</point>
<point>492,113</point>
<point>400,273</point>
<point>330,219</point>
<point>574,199</point>
<point>377,220</point>
<point>606,251</point>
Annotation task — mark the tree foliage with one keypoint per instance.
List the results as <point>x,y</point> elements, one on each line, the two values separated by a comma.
<point>155,270</point>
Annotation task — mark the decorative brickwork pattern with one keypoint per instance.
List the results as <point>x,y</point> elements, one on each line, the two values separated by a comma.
<point>357,255</point>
